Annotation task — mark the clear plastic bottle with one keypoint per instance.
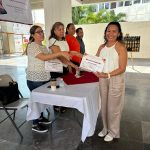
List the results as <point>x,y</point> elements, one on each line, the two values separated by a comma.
<point>77,75</point>
<point>61,82</point>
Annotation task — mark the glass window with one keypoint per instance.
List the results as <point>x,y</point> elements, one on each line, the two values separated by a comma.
<point>113,5</point>
<point>93,8</point>
<point>128,3</point>
<point>101,6</point>
<point>136,1</point>
<point>120,4</point>
<point>106,5</point>
<point>146,1</point>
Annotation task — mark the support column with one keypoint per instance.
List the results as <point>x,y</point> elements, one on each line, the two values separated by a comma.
<point>56,10</point>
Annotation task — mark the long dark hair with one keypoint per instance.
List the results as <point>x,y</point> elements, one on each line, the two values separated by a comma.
<point>120,37</point>
<point>68,26</point>
<point>31,38</point>
<point>52,33</point>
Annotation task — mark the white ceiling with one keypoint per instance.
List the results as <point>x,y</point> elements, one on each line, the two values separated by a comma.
<point>39,3</point>
<point>81,2</point>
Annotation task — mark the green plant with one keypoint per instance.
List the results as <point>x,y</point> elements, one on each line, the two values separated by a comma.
<point>87,15</point>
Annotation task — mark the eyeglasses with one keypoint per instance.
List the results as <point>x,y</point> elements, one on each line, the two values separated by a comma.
<point>39,32</point>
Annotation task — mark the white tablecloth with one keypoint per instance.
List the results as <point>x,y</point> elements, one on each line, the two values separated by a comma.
<point>84,97</point>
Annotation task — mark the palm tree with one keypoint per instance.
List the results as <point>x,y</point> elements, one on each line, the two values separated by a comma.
<point>86,15</point>
<point>79,13</point>
<point>90,18</point>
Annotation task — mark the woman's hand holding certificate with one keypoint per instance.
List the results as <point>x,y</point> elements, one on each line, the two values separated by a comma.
<point>92,63</point>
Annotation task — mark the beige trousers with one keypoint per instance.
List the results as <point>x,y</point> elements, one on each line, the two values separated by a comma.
<point>112,100</point>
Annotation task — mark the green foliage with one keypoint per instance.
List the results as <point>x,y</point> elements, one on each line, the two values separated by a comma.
<point>87,15</point>
<point>79,13</point>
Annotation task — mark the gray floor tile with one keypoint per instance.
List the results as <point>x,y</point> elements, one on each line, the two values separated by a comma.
<point>65,134</point>
<point>131,130</point>
<point>120,144</point>
<point>145,114</point>
<point>146,146</point>
<point>6,145</point>
<point>146,132</point>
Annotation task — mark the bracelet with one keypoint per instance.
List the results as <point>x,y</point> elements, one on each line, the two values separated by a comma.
<point>108,75</point>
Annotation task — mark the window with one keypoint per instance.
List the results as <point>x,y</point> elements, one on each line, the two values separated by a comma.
<point>101,6</point>
<point>120,4</point>
<point>136,1</point>
<point>113,5</point>
<point>128,3</point>
<point>106,5</point>
<point>93,8</point>
<point>146,1</point>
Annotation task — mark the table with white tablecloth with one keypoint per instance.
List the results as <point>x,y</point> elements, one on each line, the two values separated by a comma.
<point>83,97</point>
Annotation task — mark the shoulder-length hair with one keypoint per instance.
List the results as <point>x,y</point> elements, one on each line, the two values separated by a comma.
<point>52,33</point>
<point>120,37</point>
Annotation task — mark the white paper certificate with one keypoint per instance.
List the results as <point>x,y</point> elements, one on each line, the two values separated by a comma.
<point>54,65</point>
<point>92,63</point>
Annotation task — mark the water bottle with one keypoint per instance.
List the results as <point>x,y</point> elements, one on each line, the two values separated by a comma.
<point>61,82</point>
<point>77,75</point>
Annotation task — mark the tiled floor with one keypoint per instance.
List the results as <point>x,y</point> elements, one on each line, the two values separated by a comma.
<point>65,134</point>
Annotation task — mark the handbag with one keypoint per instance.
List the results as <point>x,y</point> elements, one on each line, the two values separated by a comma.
<point>9,91</point>
<point>5,79</point>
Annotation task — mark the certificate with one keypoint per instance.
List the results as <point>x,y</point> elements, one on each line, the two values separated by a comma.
<point>92,63</point>
<point>54,65</point>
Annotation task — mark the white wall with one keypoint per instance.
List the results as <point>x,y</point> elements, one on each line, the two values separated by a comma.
<point>135,12</point>
<point>56,10</point>
<point>94,33</point>
<point>38,16</point>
